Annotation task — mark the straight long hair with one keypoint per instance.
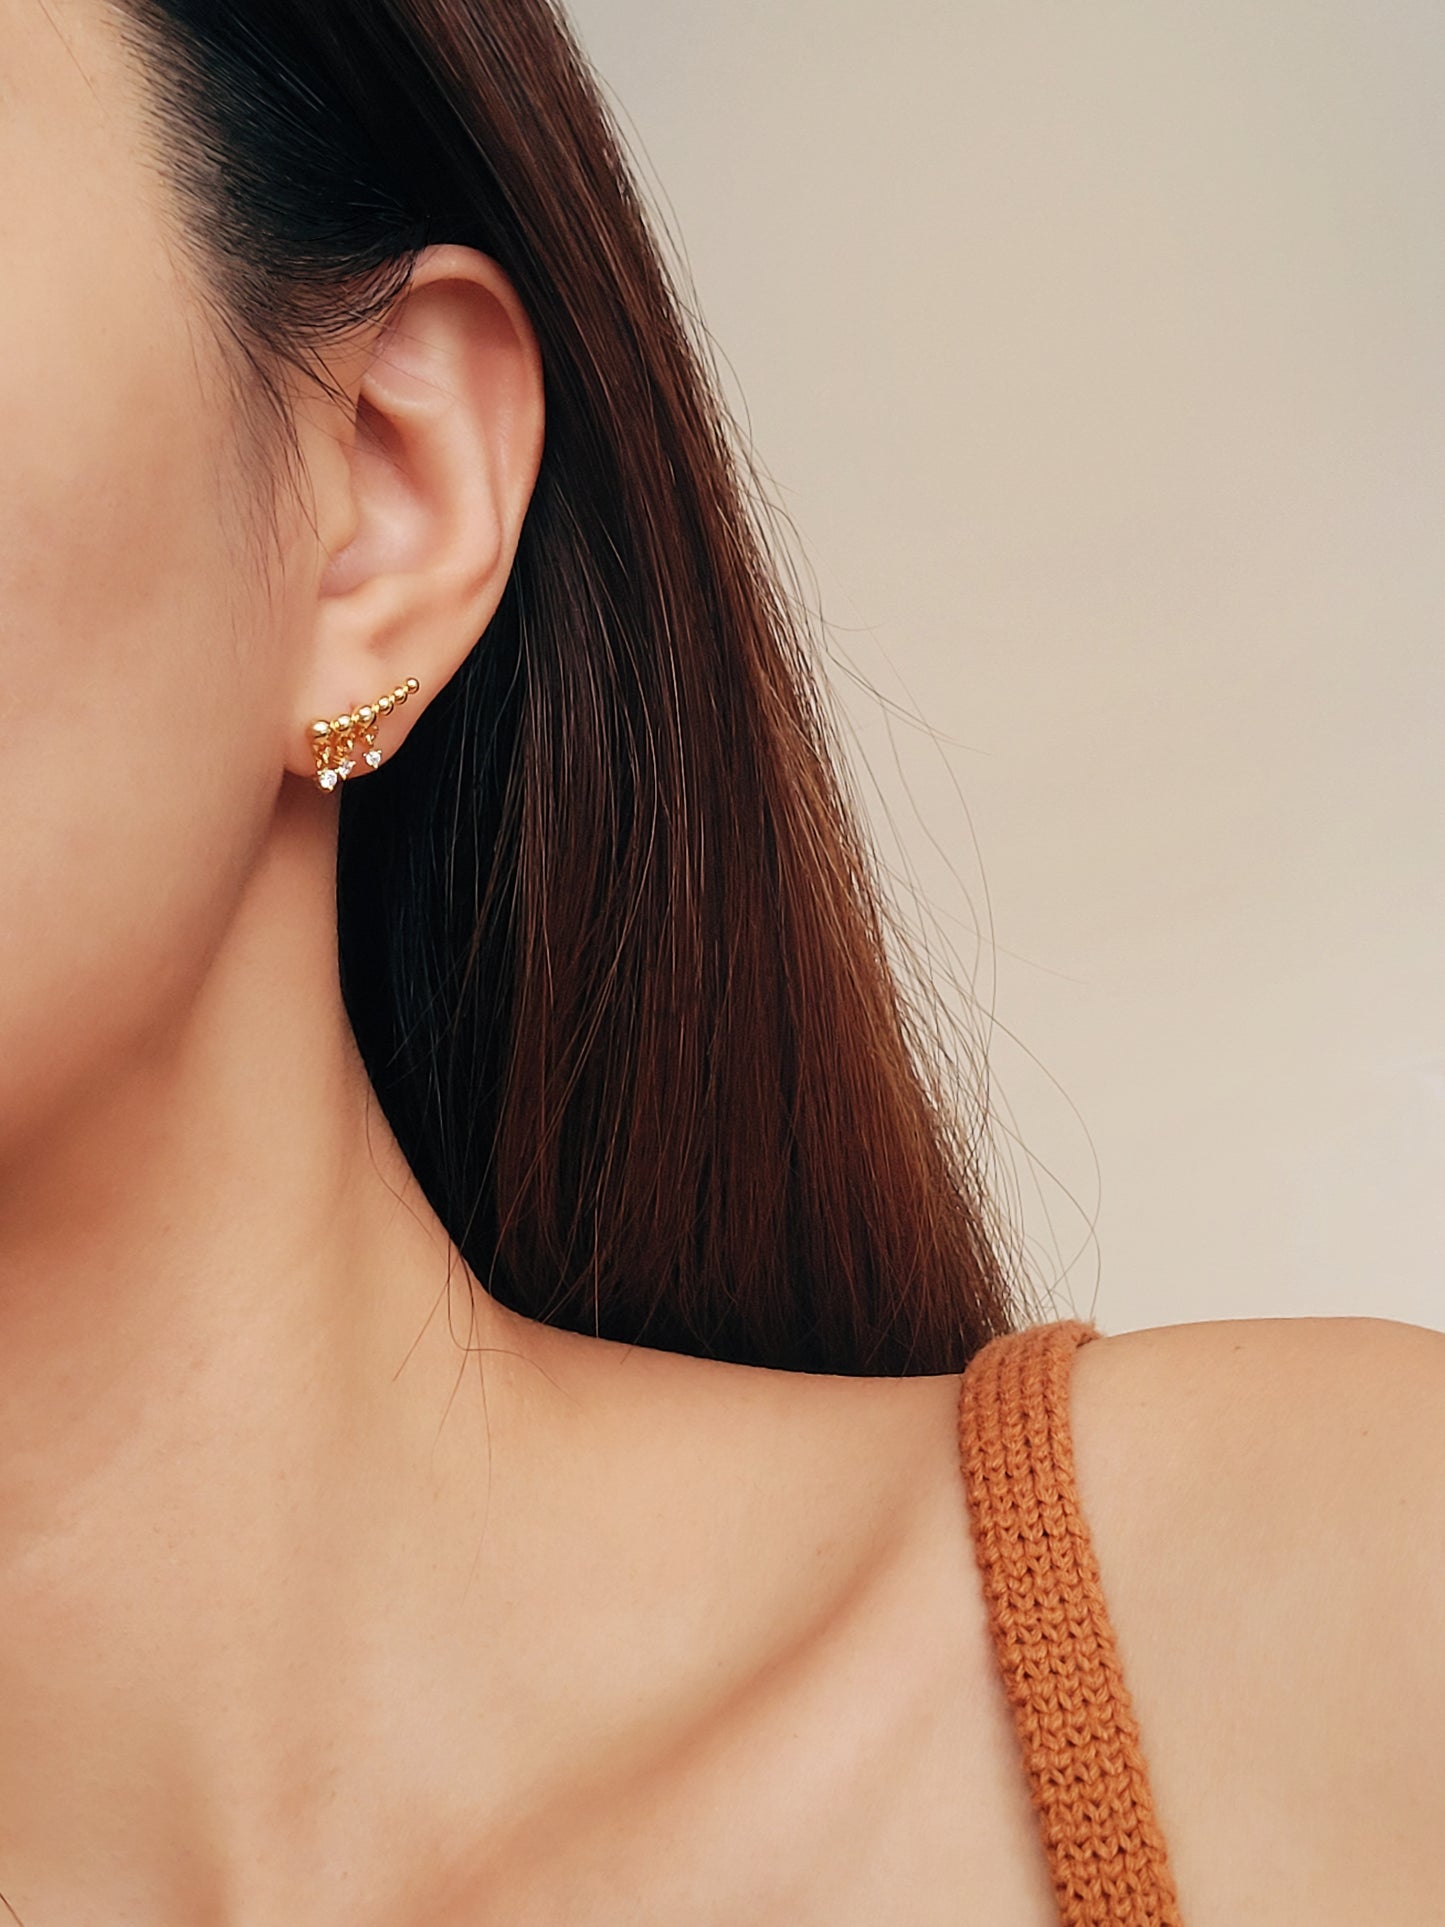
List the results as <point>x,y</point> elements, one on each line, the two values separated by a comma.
<point>612,943</point>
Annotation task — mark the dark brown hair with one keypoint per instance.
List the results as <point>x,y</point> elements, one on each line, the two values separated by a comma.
<point>610,940</point>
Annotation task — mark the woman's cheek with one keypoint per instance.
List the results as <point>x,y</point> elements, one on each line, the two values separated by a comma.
<point>131,679</point>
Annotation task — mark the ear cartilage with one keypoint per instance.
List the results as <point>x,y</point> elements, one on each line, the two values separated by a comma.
<point>337,741</point>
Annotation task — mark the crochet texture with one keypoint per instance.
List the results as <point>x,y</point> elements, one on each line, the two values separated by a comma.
<point>1051,1631</point>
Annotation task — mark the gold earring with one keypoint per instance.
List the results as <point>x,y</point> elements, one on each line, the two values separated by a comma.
<point>336,742</point>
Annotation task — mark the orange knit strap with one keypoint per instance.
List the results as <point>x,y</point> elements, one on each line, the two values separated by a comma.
<point>1051,1630</point>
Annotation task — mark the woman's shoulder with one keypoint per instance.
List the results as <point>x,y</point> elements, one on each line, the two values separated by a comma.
<point>1356,1347</point>
<point>1267,1504</point>
<point>1296,1441</point>
<point>1249,1409</point>
<point>1266,1499</point>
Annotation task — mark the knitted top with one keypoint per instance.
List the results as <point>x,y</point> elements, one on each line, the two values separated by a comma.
<point>1051,1631</point>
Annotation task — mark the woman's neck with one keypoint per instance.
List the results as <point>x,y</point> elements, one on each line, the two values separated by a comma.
<point>247,1535</point>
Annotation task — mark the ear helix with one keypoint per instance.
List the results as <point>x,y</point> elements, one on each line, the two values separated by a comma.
<point>337,742</point>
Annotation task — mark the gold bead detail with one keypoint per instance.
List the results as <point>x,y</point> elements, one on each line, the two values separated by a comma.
<point>339,742</point>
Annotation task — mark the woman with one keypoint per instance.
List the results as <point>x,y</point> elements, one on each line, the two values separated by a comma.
<point>485,1347</point>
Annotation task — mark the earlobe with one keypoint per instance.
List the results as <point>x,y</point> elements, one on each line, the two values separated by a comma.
<point>341,744</point>
<point>443,450</point>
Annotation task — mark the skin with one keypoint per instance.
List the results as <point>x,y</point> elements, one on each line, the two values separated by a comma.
<point>323,1577</point>
<point>331,1590</point>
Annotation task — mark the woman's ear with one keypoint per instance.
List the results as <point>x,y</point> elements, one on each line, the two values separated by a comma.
<point>419,500</point>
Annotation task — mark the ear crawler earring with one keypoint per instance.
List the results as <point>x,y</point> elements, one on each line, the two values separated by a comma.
<point>336,743</point>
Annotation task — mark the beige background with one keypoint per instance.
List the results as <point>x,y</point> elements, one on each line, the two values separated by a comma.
<point>1096,353</point>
